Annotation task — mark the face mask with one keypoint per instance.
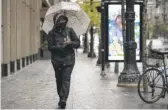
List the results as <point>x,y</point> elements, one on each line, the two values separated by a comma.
<point>61,23</point>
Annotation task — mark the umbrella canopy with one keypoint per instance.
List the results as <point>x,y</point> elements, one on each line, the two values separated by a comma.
<point>77,18</point>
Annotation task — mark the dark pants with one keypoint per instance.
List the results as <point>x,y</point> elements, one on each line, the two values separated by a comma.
<point>63,77</point>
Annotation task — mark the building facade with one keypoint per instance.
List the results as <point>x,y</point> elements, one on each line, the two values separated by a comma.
<point>20,34</point>
<point>157,17</point>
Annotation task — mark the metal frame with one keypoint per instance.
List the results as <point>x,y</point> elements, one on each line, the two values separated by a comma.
<point>163,69</point>
<point>103,34</point>
<point>165,72</point>
<point>106,31</point>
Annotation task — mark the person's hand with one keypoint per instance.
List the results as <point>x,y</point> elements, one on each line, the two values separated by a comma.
<point>67,42</point>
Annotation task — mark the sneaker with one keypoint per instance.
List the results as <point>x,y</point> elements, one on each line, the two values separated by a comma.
<point>62,104</point>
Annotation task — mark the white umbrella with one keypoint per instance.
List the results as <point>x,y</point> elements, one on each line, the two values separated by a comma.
<point>77,18</point>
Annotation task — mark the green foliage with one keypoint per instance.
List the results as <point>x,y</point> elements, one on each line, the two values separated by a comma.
<point>92,12</point>
<point>151,28</point>
<point>157,29</point>
<point>160,27</point>
<point>163,28</point>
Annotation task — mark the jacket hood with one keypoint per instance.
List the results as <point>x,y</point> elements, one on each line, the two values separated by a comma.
<point>58,17</point>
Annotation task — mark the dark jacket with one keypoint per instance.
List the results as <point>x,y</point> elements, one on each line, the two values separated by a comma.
<point>60,53</point>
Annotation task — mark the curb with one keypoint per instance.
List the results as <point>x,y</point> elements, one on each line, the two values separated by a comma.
<point>127,85</point>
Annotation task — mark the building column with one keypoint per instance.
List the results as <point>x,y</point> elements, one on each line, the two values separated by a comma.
<point>32,30</point>
<point>130,75</point>
<point>20,34</point>
<point>36,26</point>
<point>1,32</point>
<point>23,34</point>
<point>19,56</point>
<point>35,7</point>
<point>39,9</point>
<point>5,37</point>
<point>31,35</point>
<point>13,36</point>
<point>26,32</point>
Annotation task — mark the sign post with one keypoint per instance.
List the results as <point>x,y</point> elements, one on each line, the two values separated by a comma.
<point>102,39</point>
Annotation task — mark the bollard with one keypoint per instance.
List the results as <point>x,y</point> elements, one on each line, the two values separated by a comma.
<point>116,68</point>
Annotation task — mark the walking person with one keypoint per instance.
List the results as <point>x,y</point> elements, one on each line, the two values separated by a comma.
<point>62,41</point>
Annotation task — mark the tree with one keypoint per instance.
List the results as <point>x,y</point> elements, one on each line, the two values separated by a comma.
<point>91,11</point>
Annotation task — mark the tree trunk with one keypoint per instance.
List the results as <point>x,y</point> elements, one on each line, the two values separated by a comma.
<point>86,49</point>
<point>144,33</point>
<point>91,53</point>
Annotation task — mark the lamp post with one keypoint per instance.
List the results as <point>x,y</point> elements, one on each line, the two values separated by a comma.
<point>102,39</point>
<point>116,68</point>
<point>130,75</point>
<point>91,53</point>
<point>100,61</point>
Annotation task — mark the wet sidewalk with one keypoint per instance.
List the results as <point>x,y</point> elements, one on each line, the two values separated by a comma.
<point>34,88</point>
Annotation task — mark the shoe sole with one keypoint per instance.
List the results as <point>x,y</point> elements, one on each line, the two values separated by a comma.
<point>62,104</point>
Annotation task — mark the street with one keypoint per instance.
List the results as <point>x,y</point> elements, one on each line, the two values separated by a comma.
<point>34,88</point>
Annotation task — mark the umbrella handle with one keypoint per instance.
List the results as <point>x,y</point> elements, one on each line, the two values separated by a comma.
<point>66,39</point>
<point>67,34</point>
